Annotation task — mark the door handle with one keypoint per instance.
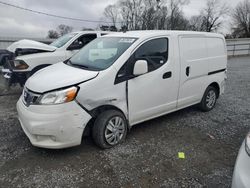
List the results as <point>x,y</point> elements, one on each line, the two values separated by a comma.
<point>187,70</point>
<point>167,75</point>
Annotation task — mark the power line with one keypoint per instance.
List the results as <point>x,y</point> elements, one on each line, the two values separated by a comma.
<point>53,15</point>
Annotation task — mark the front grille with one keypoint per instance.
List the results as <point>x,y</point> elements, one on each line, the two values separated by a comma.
<point>30,97</point>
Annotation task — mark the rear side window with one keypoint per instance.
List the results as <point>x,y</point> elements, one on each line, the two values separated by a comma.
<point>154,51</point>
<point>215,47</point>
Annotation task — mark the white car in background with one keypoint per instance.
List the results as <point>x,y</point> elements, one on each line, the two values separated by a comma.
<point>28,56</point>
<point>241,176</point>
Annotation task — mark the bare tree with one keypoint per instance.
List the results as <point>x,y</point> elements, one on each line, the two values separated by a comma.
<point>149,14</point>
<point>64,29</point>
<point>241,19</point>
<point>162,17</point>
<point>163,14</point>
<point>196,23</point>
<point>111,13</point>
<point>154,15</point>
<point>52,34</point>
<point>175,13</point>
<point>212,15</point>
<point>131,13</point>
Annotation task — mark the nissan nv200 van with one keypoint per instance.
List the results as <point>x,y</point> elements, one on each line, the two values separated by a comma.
<point>119,80</point>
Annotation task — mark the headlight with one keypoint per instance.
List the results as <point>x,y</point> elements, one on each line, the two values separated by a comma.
<point>20,65</point>
<point>247,143</point>
<point>60,96</point>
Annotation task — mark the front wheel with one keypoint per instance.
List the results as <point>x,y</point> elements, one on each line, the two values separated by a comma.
<point>209,99</point>
<point>110,129</point>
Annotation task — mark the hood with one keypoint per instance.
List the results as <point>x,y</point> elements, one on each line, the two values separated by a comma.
<point>57,76</point>
<point>31,45</point>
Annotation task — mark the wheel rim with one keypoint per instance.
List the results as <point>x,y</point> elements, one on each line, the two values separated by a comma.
<point>115,130</point>
<point>211,99</point>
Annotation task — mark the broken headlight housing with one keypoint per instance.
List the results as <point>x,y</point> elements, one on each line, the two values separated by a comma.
<point>20,65</point>
<point>247,143</point>
<point>59,96</point>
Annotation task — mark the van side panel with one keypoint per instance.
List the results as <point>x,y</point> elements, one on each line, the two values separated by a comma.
<point>194,69</point>
<point>216,54</point>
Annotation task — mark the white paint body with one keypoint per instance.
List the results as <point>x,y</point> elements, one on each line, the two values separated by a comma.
<point>53,54</point>
<point>141,98</point>
<point>242,169</point>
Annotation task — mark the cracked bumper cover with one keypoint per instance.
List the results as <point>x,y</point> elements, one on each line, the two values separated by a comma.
<point>53,126</point>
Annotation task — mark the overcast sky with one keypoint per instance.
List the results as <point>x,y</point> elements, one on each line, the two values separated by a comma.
<point>15,22</point>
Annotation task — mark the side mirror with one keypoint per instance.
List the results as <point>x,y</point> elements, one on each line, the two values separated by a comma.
<point>140,67</point>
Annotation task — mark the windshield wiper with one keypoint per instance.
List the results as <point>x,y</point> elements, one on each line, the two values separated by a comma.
<point>80,66</point>
<point>77,65</point>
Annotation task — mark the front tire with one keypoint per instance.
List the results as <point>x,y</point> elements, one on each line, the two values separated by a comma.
<point>110,129</point>
<point>209,99</point>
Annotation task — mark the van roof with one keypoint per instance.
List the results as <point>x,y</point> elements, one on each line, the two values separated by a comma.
<point>152,33</point>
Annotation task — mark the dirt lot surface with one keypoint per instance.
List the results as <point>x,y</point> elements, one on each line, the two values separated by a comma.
<point>148,158</point>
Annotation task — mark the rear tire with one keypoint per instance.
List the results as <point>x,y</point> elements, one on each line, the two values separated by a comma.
<point>110,129</point>
<point>209,99</point>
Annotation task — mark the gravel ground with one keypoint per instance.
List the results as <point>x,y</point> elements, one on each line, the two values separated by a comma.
<point>148,158</point>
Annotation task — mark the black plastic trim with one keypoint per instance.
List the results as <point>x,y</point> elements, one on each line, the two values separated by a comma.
<point>247,149</point>
<point>85,109</point>
<point>167,75</point>
<point>217,71</point>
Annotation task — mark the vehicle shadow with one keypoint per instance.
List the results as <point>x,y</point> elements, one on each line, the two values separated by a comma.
<point>88,144</point>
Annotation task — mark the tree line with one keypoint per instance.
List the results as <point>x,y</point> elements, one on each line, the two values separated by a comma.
<point>169,15</point>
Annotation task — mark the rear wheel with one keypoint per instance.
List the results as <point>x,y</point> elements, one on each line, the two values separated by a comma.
<point>110,129</point>
<point>209,99</point>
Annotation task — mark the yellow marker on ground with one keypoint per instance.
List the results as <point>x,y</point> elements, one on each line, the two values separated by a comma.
<point>181,155</point>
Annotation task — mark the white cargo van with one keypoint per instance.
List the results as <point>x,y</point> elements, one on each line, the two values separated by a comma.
<point>119,80</point>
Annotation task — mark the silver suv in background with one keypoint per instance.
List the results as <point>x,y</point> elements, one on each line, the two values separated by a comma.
<point>241,176</point>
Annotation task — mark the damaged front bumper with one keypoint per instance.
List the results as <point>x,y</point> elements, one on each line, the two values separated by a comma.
<point>53,126</point>
<point>13,76</point>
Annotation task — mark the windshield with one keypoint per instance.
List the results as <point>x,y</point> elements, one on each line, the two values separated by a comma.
<point>101,53</point>
<point>62,40</point>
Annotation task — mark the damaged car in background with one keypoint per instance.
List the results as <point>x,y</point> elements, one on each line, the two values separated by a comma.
<point>25,57</point>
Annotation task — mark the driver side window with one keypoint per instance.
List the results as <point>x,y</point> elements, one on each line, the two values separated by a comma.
<point>155,52</point>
